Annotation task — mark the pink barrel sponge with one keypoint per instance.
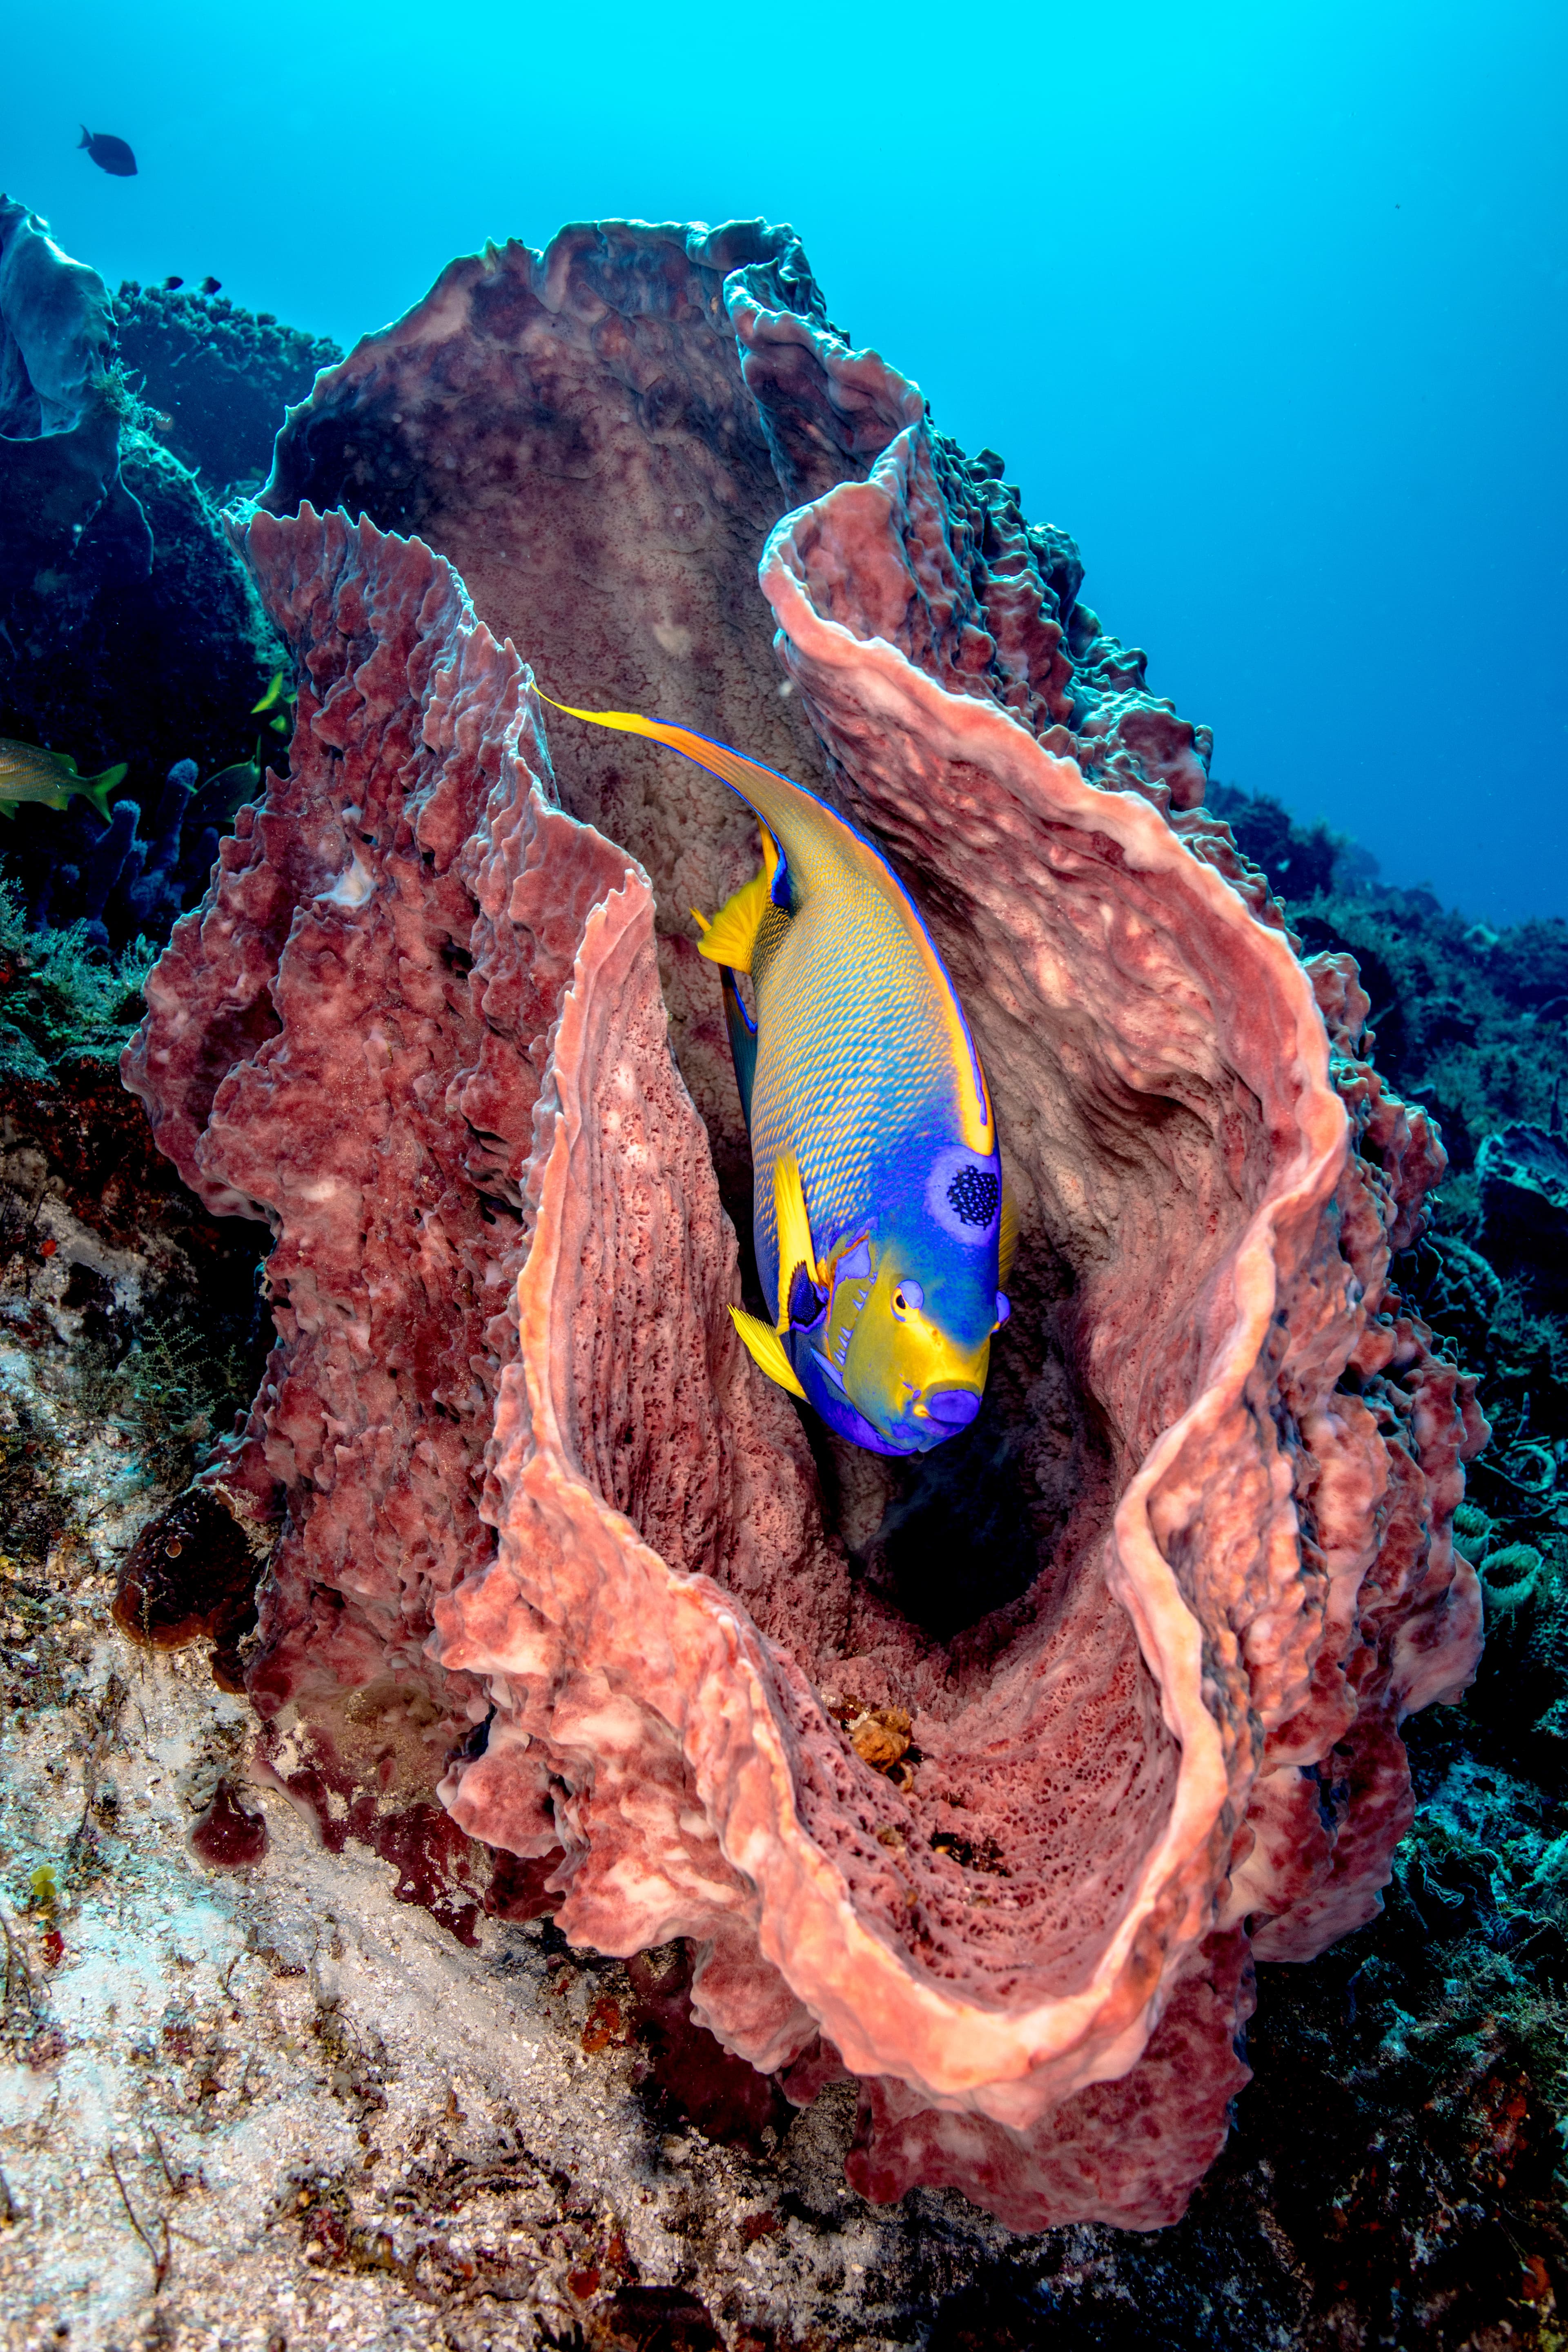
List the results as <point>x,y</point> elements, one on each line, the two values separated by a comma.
<point>559,1587</point>
<point>1034,1953</point>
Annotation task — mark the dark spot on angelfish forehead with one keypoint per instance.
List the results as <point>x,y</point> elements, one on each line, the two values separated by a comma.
<point>974,1195</point>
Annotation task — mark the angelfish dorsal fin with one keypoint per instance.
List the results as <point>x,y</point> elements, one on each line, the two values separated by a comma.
<point>766,1350</point>
<point>794,1231</point>
<point>732,936</point>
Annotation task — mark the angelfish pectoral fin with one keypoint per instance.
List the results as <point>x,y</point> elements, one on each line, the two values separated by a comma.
<point>794,1231</point>
<point>766,1350</point>
<point>742,1028</point>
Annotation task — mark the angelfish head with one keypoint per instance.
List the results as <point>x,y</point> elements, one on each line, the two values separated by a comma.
<point>903,1350</point>
<point>905,1371</point>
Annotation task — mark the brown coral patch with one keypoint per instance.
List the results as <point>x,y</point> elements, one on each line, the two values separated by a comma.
<point>190,1571</point>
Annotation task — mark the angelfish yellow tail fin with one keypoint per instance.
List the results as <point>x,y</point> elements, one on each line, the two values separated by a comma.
<point>766,1350</point>
<point>794,1230</point>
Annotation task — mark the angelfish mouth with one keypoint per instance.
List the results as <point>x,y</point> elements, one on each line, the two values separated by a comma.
<point>956,1408</point>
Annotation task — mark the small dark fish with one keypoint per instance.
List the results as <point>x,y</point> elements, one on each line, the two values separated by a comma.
<point>111,154</point>
<point>170,284</point>
<point>212,285</point>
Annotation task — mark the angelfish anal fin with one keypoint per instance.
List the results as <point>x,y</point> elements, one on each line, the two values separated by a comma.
<point>794,1231</point>
<point>766,1350</point>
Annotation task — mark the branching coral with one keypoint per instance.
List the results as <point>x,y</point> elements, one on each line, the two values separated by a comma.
<point>546,1531</point>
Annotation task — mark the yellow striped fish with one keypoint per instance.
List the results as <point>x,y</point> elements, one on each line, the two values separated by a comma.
<point>29,773</point>
<point>878,1205</point>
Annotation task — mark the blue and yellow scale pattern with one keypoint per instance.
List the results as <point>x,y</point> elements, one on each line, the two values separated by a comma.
<point>873,1138</point>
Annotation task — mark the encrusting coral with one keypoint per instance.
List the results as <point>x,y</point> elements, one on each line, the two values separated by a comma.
<point>546,1538</point>
<point>217,378</point>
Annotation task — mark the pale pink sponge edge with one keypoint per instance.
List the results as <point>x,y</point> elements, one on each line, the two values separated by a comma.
<point>544,1529</point>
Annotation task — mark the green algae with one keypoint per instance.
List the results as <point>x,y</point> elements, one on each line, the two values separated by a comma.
<point>176,1387</point>
<point>59,994</point>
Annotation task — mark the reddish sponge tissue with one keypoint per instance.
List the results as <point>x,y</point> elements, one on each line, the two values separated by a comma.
<point>347,1040</point>
<point>558,1615</point>
<point>226,1835</point>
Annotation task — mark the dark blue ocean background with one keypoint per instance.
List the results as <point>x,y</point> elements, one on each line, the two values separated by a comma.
<point>1266,305</point>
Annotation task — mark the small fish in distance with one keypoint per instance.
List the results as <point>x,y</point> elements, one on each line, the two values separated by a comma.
<point>278,702</point>
<point>171,283</point>
<point>881,1226</point>
<point>29,773</point>
<point>111,154</point>
<point>212,285</point>
<point>231,788</point>
<point>246,779</point>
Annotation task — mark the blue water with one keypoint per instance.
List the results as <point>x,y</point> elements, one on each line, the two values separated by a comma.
<point>1265,304</point>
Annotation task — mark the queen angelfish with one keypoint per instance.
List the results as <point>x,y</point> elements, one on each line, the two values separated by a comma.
<point>879,1216</point>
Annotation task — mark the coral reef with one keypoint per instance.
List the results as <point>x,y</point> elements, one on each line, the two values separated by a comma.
<point>65,510</point>
<point>411,715</point>
<point>218,378</point>
<point>1471,1022</point>
<point>358,2127</point>
<point>126,621</point>
<point>1227,1456</point>
<point>166,674</point>
<point>60,994</point>
<point>365,2126</point>
<point>1468,1019</point>
<point>1522,1173</point>
<point>89,893</point>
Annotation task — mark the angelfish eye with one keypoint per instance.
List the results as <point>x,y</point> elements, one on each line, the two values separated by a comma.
<point>908,1296</point>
